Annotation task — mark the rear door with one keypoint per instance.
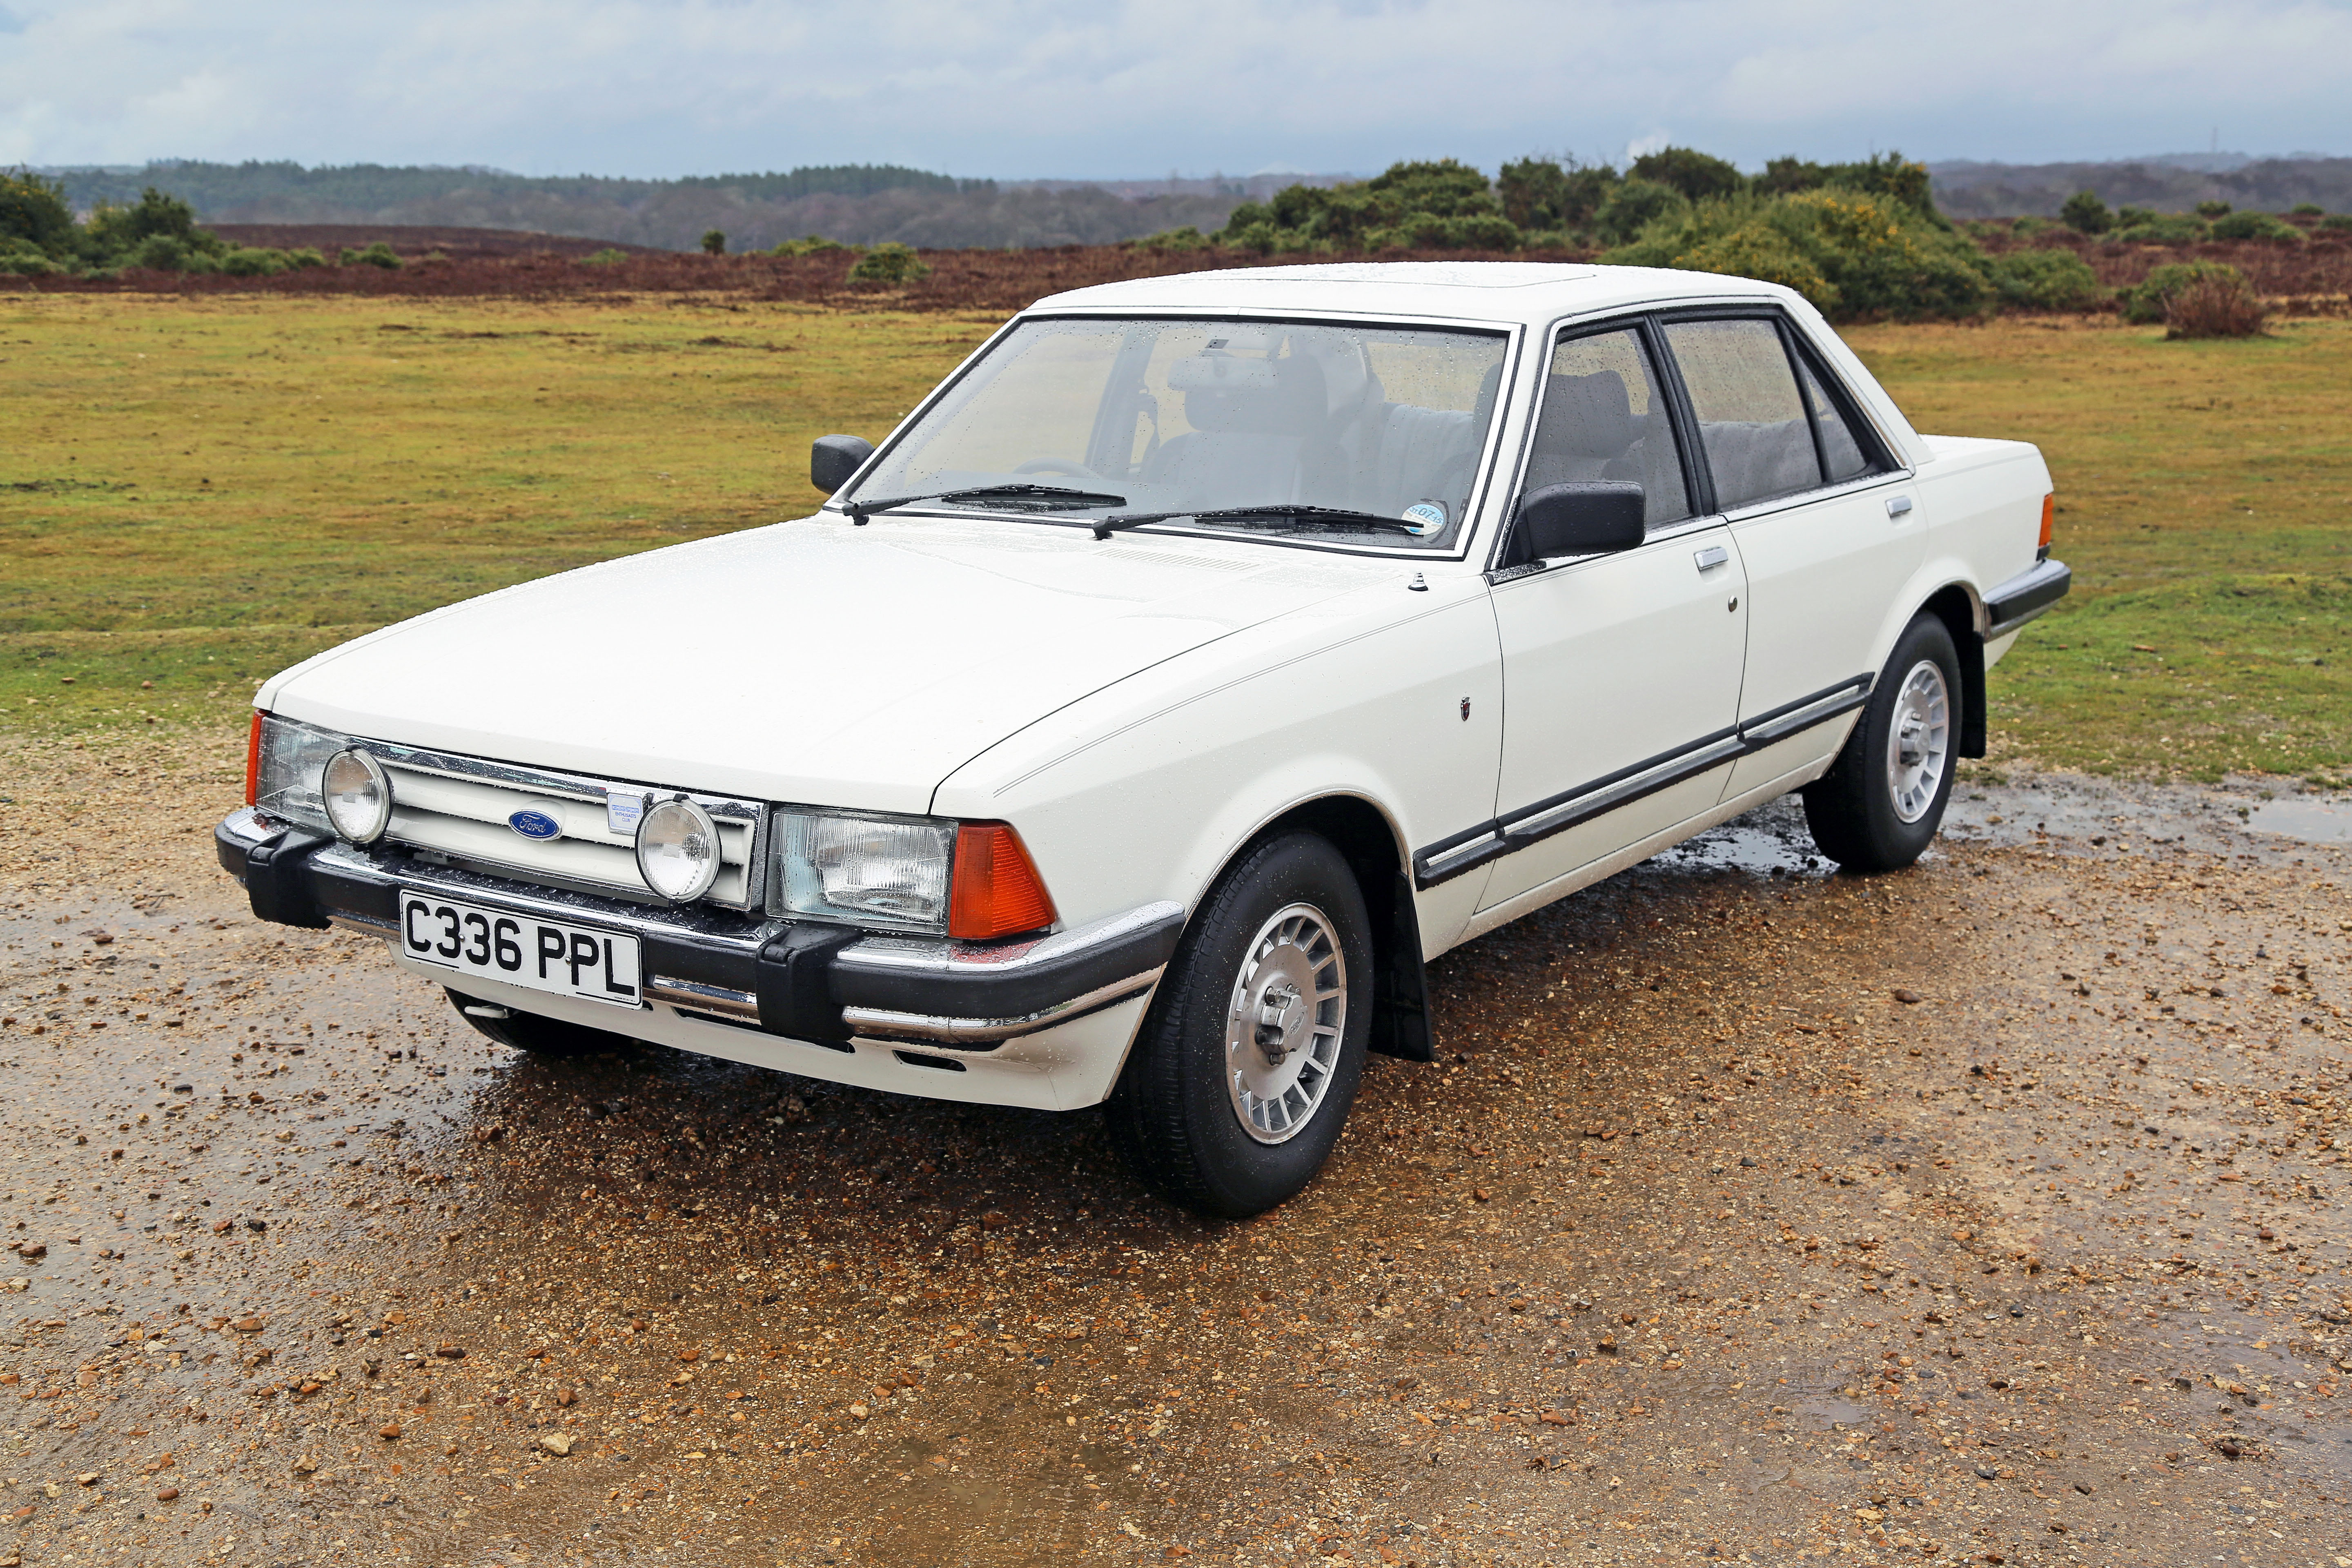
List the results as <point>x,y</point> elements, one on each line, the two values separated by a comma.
<point>1826,528</point>
<point>1620,671</point>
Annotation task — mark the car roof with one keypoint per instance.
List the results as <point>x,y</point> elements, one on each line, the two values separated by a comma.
<point>1530,293</point>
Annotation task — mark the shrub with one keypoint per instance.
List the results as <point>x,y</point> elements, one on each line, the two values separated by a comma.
<point>2147,302</point>
<point>2174,229</point>
<point>2027,227</point>
<point>307,256</point>
<point>2337,223</point>
<point>2212,209</point>
<point>33,210</point>
<point>1877,256</point>
<point>604,258</point>
<point>1888,175</point>
<point>379,253</point>
<point>2252,226</point>
<point>1189,237</point>
<point>2044,280</point>
<point>1766,255</point>
<point>2127,216</point>
<point>714,242</point>
<point>1633,207</point>
<point>1440,203</point>
<point>21,258</point>
<point>119,233</point>
<point>814,245</point>
<point>250,261</point>
<point>889,262</point>
<point>1548,195</point>
<point>2085,213</point>
<point>2307,209</point>
<point>2215,306</point>
<point>1697,175</point>
<point>167,253</point>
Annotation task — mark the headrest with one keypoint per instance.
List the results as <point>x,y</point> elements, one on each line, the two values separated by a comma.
<point>1588,416</point>
<point>1272,397</point>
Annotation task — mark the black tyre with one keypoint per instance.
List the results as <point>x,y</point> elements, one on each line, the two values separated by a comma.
<point>1250,1056</point>
<point>1879,805</point>
<point>530,1032</point>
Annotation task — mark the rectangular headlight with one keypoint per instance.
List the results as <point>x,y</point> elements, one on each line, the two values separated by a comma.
<point>291,760</point>
<point>863,868</point>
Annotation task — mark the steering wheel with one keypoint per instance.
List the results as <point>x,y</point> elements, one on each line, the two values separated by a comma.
<point>1057,466</point>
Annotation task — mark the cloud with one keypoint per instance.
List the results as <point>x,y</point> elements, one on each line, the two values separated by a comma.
<point>1121,87</point>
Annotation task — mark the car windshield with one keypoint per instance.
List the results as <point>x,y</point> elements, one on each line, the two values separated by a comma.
<point>1297,427</point>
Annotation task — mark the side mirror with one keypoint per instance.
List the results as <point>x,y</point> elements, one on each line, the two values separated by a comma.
<point>833,459</point>
<point>1587,519</point>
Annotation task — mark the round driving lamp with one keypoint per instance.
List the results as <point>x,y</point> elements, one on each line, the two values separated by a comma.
<point>677,850</point>
<point>358,796</point>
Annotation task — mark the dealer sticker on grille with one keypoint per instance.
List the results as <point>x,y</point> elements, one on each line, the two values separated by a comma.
<point>521,949</point>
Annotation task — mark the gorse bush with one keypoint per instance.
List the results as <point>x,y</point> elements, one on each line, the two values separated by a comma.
<point>378,254</point>
<point>2160,228</point>
<point>2085,213</point>
<point>1848,253</point>
<point>1633,207</point>
<point>889,262</point>
<point>2045,280</point>
<point>814,245</point>
<point>39,237</point>
<point>1189,237</point>
<point>1697,175</point>
<point>2252,226</point>
<point>714,242</point>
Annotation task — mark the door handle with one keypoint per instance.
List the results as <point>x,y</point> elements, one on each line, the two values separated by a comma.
<point>1899,507</point>
<point>1713,556</point>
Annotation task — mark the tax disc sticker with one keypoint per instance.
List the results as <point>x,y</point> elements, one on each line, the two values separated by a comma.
<point>1427,517</point>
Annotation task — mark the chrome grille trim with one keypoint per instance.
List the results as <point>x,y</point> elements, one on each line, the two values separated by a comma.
<point>458,807</point>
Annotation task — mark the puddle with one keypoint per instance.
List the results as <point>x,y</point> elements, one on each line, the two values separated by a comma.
<point>2315,821</point>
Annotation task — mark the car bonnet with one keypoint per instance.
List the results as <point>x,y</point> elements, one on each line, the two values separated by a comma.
<point>810,661</point>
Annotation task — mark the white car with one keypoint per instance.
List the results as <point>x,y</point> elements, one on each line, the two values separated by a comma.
<point>1205,654</point>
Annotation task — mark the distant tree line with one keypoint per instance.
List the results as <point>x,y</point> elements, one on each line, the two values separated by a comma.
<point>862,204</point>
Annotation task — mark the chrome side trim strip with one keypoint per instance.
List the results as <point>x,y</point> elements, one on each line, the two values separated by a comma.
<point>696,996</point>
<point>985,1034</point>
<point>1772,727</point>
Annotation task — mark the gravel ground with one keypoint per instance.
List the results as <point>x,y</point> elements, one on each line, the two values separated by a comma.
<point>1981,1213</point>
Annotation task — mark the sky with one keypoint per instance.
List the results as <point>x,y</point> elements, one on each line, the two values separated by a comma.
<point>1124,89</point>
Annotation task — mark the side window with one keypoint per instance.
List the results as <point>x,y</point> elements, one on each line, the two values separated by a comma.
<point>1604,417</point>
<point>1843,453</point>
<point>1751,419</point>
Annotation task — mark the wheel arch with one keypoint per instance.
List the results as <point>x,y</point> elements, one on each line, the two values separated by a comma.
<point>1364,833</point>
<point>1962,612</point>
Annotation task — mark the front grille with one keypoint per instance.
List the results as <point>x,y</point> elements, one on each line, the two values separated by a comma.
<point>459,807</point>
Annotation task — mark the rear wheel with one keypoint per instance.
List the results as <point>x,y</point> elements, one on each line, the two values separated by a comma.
<point>1878,807</point>
<point>1250,1056</point>
<point>530,1032</point>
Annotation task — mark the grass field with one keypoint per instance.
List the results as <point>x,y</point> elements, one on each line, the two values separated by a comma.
<point>195,492</point>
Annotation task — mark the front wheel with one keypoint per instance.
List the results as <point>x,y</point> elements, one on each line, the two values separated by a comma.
<point>1250,1056</point>
<point>1879,805</point>
<point>530,1032</point>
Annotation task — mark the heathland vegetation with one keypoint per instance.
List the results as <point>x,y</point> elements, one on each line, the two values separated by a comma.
<point>200,489</point>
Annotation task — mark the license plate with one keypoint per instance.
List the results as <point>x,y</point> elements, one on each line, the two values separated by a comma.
<point>521,949</point>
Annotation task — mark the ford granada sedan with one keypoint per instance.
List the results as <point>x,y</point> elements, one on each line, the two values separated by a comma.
<point>1204,657</point>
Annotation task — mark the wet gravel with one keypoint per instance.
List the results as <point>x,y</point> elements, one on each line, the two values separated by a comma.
<point>1981,1213</point>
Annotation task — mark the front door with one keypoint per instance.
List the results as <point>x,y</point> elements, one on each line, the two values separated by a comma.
<point>1620,672</point>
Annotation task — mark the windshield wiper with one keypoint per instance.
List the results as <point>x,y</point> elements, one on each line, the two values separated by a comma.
<point>1017,498</point>
<point>1299,512</point>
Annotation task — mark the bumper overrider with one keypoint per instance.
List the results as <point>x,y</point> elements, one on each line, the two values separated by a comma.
<point>818,984</point>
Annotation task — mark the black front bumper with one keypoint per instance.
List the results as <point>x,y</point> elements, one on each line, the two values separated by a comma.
<point>800,979</point>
